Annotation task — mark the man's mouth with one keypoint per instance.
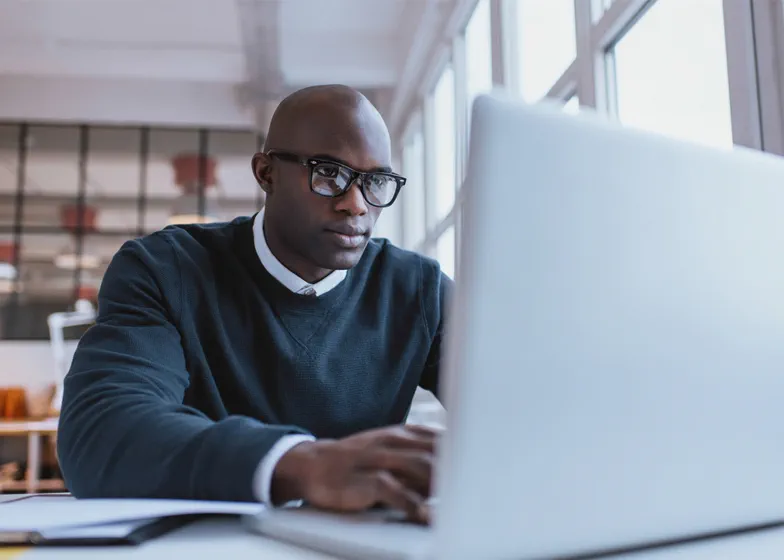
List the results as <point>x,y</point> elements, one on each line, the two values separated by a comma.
<point>347,241</point>
<point>348,237</point>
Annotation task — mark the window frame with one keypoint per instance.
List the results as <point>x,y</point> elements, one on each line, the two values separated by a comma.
<point>414,126</point>
<point>754,38</point>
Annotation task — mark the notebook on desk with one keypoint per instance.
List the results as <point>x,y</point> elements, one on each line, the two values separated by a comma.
<point>133,532</point>
<point>64,521</point>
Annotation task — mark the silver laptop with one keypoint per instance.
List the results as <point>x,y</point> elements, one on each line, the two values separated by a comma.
<point>615,369</point>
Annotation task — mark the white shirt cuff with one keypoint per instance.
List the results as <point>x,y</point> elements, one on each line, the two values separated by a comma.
<point>262,478</point>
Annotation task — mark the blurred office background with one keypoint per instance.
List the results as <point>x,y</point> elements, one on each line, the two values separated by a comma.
<point>118,117</point>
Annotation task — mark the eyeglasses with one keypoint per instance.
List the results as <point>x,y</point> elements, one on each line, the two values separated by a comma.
<point>332,179</point>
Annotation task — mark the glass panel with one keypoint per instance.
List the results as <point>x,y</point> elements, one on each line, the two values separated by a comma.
<point>445,251</point>
<point>9,166</point>
<point>672,79</point>
<point>43,288</point>
<point>162,188</point>
<point>413,193</point>
<point>547,44</point>
<point>478,52</point>
<point>25,318</point>
<point>444,141</point>
<point>97,252</point>
<point>8,265</point>
<point>572,106</point>
<point>598,7</point>
<point>48,280</point>
<point>113,178</point>
<point>52,174</point>
<point>236,187</point>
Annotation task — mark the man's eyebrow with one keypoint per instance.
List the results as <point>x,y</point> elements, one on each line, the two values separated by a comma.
<point>382,169</point>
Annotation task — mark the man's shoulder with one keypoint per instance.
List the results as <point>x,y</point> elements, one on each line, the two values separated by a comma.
<point>173,258</point>
<point>408,277</point>
<point>193,240</point>
<point>381,250</point>
<point>395,260</point>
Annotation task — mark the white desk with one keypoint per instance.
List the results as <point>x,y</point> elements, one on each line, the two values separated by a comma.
<point>219,539</point>
<point>226,539</point>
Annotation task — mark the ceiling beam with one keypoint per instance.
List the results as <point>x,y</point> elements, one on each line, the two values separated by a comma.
<point>416,59</point>
<point>261,39</point>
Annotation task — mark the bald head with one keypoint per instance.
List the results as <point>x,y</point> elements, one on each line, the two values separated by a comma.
<point>319,139</point>
<point>327,118</point>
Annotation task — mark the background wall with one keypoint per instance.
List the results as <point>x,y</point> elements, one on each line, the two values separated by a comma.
<point>124,101</point>
<point>28,364</point>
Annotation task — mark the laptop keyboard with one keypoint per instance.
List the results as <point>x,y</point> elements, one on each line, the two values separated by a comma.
<point>395,516</point>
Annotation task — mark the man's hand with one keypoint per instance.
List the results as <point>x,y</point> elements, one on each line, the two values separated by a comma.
<point>388,466</point>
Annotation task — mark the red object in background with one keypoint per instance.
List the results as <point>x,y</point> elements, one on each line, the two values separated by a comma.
<point>187,170</point>
<point>70,214</point>
<point>89,293</point>
<point>7,252</point>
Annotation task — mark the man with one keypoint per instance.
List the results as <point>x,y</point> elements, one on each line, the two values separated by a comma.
<point>272,358</point>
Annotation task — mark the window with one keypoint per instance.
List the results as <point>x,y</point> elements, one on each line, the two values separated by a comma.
<point>85,191</point>
<point>52,229</point>
<point>113,173</point>
<point>547,44</point>
<point>598,7</point>
<point>232,152</point>
<point>52,172</point>
<point>671,72</point>
<point>478,53</point>
<point>443,139</point>
<point>572,106</point>
<point>412,195</point>
<point>236,191</point>
<point>445,251</point>
<point>9,167</point>
<point>173,174</point>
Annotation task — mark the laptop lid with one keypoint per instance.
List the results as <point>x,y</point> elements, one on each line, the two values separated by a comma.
<point>616,352</point>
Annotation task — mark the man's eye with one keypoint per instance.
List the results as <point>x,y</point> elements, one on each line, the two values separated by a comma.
<point>378,181</point>
<point>327,171</point>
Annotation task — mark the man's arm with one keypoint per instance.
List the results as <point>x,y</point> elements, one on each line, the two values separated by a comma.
<point>124,431</point>
<point>263,478</point>
<point>438,315</point>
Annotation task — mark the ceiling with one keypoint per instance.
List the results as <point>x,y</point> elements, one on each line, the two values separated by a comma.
<point>263,47</point>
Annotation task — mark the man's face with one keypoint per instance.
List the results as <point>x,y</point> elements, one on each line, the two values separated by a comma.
<point>328,233</point>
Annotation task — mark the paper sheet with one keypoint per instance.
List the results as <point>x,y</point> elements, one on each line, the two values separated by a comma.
<point>103,531</point>
<point>40,513</point>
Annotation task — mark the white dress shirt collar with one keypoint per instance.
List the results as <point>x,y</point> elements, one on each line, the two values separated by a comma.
<point>283,274</point>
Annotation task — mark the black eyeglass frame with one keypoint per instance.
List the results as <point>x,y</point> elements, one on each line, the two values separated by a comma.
<point>311,162</point>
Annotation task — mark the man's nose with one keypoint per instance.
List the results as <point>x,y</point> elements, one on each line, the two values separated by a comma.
<point>352,202</point>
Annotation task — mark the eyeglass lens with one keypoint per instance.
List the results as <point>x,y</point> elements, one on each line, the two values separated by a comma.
<point>330,179</point>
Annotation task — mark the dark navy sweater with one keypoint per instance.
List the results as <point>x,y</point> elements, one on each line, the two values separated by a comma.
<point>200,361</point>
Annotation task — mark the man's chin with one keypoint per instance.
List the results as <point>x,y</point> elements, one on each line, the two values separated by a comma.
<point>346,258</point>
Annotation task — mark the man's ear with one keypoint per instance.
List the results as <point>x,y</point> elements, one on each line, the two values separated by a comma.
<point>262,170</point>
